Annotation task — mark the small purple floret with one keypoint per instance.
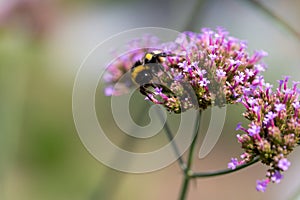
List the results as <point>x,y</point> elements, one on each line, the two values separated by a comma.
<point>233,163</point>
<point>283,164</point>
<point>261,186</point>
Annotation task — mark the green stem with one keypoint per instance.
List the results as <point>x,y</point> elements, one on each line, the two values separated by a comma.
<point>192,147</point>
<point>224,171</point>
<point>184,188</point>
<point>188,171</point>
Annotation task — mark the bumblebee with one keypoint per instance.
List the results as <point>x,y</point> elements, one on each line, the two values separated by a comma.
<point>145,72</point>
<point>149,74</point>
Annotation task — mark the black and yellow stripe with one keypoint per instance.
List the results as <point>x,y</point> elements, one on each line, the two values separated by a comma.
<point>138,72</point>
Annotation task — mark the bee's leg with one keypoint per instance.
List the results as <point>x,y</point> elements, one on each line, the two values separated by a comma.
<point>145,91</point>
<point>155,85</point>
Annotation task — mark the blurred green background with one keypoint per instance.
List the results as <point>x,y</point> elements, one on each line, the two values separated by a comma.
<point>43,42</point>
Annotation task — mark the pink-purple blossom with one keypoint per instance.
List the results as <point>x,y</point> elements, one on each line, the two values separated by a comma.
<point>220,73</point>
<point>254,130</point>
<point>233,163</point>
<point>279,107</point>
<point>283,164</point>
<point>261,186</point>
<point>276,177</point>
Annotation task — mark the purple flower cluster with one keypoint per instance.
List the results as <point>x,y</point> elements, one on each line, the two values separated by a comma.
<point>274,129</point>
<point>216,66</point>
<point>201,69</point>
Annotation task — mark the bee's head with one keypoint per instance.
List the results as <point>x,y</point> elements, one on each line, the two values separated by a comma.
<point>150,58</point>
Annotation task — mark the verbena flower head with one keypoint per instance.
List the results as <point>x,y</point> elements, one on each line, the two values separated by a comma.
<point>274,129</point>
<point>200,70</point>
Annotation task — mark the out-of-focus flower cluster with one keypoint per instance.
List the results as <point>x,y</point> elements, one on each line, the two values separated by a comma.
<point>274,129</point>
<point>201,69</point>
<point>36,16</point>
